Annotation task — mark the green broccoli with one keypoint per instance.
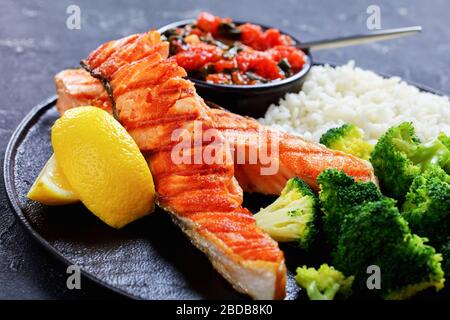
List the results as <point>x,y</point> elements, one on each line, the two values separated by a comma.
<point>338,195</point>
<point>399,157</point>
<point>324,283</point>
<point>427,205</point>
<point>292,216</point>
<point>375,233</point>
<point>347,138</point>
<point>367,229</point>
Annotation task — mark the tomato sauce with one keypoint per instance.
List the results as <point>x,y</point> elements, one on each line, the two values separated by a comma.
<point>217,50</point>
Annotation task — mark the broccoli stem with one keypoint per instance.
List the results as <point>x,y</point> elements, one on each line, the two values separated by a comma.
<point>315,294</point>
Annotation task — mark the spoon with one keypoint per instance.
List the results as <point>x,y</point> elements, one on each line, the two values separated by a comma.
<point>359,39</point>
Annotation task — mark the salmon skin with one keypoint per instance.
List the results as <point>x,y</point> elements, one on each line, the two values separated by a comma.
<point>296,156</point>
<point>151,98</point>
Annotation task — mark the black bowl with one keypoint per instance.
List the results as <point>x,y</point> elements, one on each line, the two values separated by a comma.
<point>251,100</point>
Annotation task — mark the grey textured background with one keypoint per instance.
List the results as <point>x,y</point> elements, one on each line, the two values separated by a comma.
<point>35,44</point>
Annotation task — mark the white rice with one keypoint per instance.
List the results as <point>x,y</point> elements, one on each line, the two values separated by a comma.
<point>347,94</point>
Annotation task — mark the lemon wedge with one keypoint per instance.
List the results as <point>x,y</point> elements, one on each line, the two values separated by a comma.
<point>51,187</point>
<point>102,165</point>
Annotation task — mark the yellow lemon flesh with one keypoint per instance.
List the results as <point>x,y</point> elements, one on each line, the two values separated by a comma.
<point>103,165</point>
<point>51,186</point>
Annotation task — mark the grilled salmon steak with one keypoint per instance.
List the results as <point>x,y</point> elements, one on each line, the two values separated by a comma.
<point>152,100</point>
<point>295,156</point>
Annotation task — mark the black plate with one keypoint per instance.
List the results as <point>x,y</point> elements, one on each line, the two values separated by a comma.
<point>149,259</point>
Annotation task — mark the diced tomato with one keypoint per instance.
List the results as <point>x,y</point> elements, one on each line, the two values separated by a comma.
<point>260,63</point>
<point>243,60</point>
<point>222,65</point>
<point>296,60</point>
<point>197,56</point>
<point>208,22</point>
<point>251,35</point>
<point>272,38</point>
<point>219,78</point>
<point>293,55</point>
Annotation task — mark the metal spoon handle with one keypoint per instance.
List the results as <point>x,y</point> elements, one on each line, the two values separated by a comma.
<point>360,39</point>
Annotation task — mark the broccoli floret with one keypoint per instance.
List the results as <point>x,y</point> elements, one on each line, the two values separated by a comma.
<point>423,271</point>
<point>366,223</point>
<point>427,205</point>
<point>324,283</point>
<point>399,157</point>
<point>375,233</point>
<point>292,216</point>
<point>347,138</point>
<point>339,194</point>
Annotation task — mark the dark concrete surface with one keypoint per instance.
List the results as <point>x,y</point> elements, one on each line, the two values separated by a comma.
<point>35,44</point>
